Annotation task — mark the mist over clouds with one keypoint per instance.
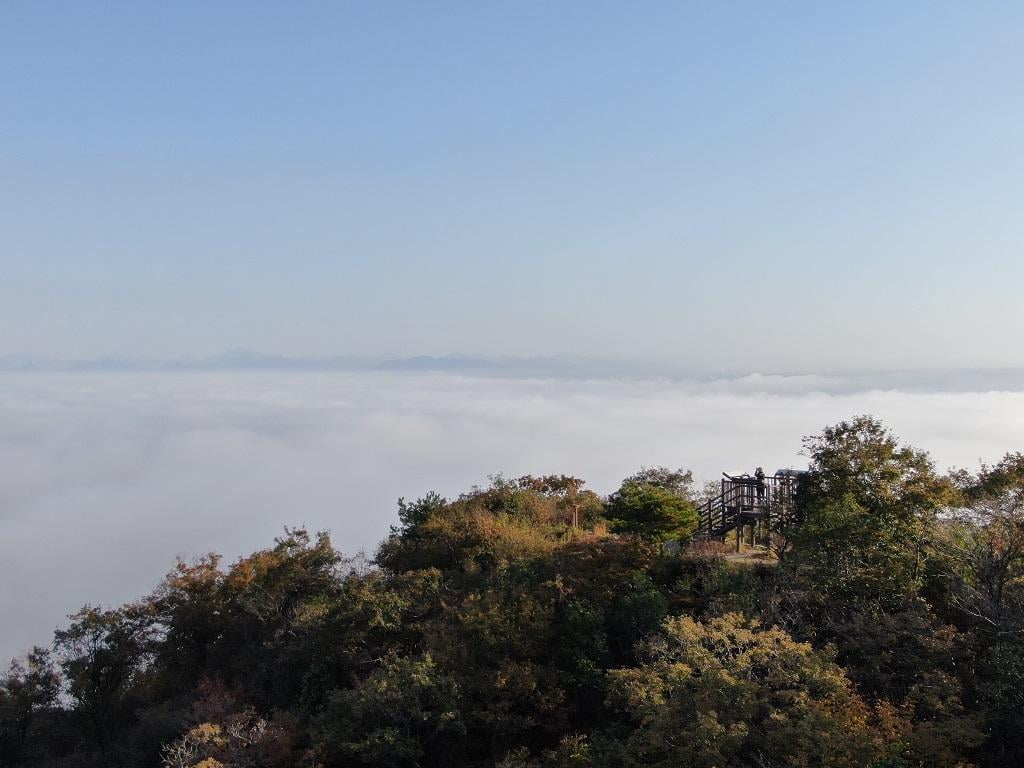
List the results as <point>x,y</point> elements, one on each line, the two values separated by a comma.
<point>108,477</point>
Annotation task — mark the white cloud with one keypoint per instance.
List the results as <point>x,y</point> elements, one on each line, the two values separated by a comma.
<point>107,477</point>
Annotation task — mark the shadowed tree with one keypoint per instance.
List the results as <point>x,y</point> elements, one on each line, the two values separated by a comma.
<point>27,688</point>
<point>103,654</point>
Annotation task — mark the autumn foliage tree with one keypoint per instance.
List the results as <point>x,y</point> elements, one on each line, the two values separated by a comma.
<point>729,692</point>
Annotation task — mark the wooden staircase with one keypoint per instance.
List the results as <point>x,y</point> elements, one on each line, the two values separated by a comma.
<point>746,500</point>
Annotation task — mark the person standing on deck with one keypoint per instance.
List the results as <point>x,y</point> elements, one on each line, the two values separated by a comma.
<point>761,486</point>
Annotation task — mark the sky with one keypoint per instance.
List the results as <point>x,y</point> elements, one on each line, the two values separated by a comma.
<point>109,477</point>
<point>781,186</point>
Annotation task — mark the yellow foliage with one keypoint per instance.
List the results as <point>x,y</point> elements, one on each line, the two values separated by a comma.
<point>206,733</point>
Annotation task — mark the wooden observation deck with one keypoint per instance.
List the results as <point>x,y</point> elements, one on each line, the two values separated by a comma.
<point>759,501</point>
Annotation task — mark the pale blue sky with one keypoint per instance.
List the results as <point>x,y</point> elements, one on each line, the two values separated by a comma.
<point>631,179</point>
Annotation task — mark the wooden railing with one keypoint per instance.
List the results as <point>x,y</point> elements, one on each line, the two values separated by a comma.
<point>743,499</point>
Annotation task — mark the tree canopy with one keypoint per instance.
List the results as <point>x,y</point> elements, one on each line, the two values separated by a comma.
<point>532,623</point>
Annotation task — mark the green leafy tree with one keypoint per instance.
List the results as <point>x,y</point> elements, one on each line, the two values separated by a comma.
<point>679,481</point>
<point>863,514</point>
<point>416,513</point>
<point>652,511</point>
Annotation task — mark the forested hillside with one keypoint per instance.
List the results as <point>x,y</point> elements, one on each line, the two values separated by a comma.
<point>533,624</point>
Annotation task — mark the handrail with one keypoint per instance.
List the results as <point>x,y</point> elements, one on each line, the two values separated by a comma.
<point>743,497</point>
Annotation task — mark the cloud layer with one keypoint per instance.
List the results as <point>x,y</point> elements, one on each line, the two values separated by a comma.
<point>108,477</point>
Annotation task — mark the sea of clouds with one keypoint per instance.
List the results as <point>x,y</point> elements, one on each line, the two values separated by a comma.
<point>108,477</point>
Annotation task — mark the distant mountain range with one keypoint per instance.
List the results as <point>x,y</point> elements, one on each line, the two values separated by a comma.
<point>734,380</point>
<point>247,360</point>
